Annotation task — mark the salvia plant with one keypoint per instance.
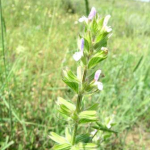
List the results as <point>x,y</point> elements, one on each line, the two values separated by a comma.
<point>92,45</point>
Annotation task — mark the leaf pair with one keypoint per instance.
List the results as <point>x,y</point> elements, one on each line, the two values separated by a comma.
<point>65,107</point>
<point>71,80</point>
<point>87,116</point>
<point>64,143</point>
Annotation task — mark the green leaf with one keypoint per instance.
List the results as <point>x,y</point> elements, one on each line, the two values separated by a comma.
<point>57,138</point>
<point>101,40</point>
<point>87,146</point>
<point>84,146</point>
<point>87,116</point>
<point>100,37</point>
<point>71,80</point>
<point>94,107</point>
<point>138,64</point>
<point>79,72</point>
<point>87,87</point>
<point>68,135</point>
<point>84,138</point>
<point>107,136</point>
<point>73,85</point>
<point>74,147</point>
<point>97,58</point>
<point>65,107</point>
<point>86,44</point>
<point>94,26</point>
<point>103,128</point>
<point>100,23</point>
<point>64,110</point>
<point>66,103</point>
<point>87,113</point>
<point>72,76</point>
<point>64,146</point>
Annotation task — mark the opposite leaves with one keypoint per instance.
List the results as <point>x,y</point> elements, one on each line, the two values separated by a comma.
<point>71,80</point>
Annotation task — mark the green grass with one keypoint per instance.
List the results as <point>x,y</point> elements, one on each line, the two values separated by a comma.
<point>40,39</point>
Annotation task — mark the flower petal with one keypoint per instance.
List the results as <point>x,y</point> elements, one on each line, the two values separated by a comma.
<point>97,74</point>
<point>92,13</point>
<point>83,18</point>
<point>99,85</point>
<point>82,44</point>
<point>108,29</point>
<point>77,56</point>
<point>106,20</point>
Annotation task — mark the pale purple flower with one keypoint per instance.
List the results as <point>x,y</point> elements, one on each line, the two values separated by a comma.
<point>90,17</point>
<point>82,44</point>
<point>92,13</point>
<point>77,56</point>
<point>96,77</point>
<point>97,74</point>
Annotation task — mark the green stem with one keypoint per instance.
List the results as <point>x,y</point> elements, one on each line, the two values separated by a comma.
<point>78,106</point>
<point>2,34</point>
<point>95,134</point>
<point>87,7</point>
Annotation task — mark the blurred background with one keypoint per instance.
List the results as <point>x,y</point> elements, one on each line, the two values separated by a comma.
<point>38,39</point>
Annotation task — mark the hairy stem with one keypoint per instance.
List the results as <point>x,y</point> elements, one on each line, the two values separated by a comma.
<point>78,106</point>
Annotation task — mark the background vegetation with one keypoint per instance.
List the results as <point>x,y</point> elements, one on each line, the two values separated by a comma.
<point>39,40</point>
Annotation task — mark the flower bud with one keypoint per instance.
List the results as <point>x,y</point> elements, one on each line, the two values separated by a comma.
<point>92,13</point>
<point>96,77</point>
<point>90,17</point>
<point>82,44</point>
<point>105,27</point>
<point>97,74</point>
